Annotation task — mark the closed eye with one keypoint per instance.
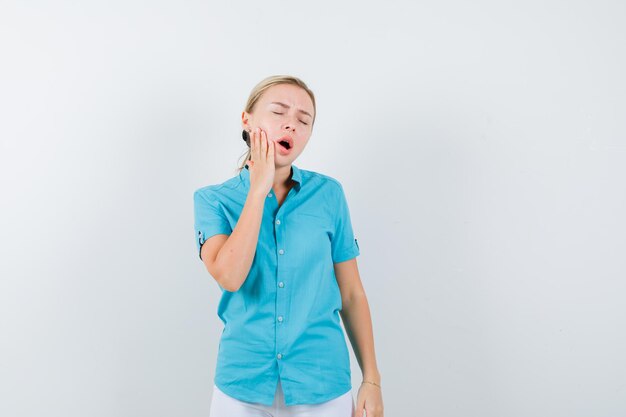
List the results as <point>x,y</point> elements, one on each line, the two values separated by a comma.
<point>299,120</point>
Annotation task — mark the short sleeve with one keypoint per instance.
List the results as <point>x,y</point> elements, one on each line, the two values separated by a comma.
<point>343,243</point>
<point>209,218</point>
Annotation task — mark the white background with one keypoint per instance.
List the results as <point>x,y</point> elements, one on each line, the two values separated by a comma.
<point>481,146</point>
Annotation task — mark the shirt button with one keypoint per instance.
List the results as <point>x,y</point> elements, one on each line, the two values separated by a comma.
<point>281,284</point>
<point>280,318</point>
<point>277,221</point>
<point>281,251</point>
<point>269,195</point>
<point>279,356</point>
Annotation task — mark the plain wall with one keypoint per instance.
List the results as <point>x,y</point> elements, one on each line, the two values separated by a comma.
<point>481,146</point>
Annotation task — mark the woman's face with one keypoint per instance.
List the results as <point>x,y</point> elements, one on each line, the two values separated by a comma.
<point>283,110</point>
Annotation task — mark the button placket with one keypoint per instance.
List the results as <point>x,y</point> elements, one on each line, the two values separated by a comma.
<point>281,296</point>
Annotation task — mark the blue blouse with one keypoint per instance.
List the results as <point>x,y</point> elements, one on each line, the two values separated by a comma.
<point>284,321</point>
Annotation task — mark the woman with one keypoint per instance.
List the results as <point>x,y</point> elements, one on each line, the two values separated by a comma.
<point>279,242</point>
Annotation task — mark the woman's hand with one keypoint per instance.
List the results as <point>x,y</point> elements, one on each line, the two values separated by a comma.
<point>370,399</point>
<point>261,164</point>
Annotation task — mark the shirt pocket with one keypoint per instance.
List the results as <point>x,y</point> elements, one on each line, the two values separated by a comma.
<point>314,232</point>
<point>312,221</point>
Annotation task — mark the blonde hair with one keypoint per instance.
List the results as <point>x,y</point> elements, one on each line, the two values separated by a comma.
<point>262,86</point>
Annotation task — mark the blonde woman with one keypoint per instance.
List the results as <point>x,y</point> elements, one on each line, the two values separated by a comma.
<point>279,242</point>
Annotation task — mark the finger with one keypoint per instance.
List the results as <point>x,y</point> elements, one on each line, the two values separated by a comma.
<point>270,151</point>
<point>360,407</point>
<point>263,144</point>
<point>255,145</point>
<point>251,136</point>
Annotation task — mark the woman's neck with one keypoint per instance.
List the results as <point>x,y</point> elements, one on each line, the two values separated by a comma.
<point>282,178</point>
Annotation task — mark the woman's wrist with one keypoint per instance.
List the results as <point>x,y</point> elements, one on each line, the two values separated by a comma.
<point>372,377</point>
<point>371,383</point>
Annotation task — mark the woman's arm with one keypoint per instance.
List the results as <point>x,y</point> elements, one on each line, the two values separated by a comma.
<point>356,318</point>
<point>231,263</point>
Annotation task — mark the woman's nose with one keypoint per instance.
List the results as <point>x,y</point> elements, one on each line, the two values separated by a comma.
<point>290,122</point>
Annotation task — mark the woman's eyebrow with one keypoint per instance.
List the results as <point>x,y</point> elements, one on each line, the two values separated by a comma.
<point>286,106</point>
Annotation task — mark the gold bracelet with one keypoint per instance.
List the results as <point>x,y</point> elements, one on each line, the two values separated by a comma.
<point>373,383</point>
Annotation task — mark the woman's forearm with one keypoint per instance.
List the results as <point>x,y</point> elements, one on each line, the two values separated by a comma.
<point>234,259</point>
<point>357,320</point>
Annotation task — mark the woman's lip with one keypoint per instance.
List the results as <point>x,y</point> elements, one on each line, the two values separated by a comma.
<point>282,150</point>
<point>286,139</point>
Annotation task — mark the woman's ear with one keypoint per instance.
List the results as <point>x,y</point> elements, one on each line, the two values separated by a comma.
<point>245,121</point>
<point>245,125</point>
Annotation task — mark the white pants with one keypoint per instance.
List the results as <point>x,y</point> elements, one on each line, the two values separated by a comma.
<point>223,405</point>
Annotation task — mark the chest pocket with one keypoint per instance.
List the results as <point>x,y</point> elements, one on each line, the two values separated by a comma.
<point>313,231</point>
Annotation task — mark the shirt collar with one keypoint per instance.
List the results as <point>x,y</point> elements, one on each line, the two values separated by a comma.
<point>244,175</point>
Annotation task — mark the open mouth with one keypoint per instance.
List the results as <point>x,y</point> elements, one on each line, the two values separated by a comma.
<point>285,144</point>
